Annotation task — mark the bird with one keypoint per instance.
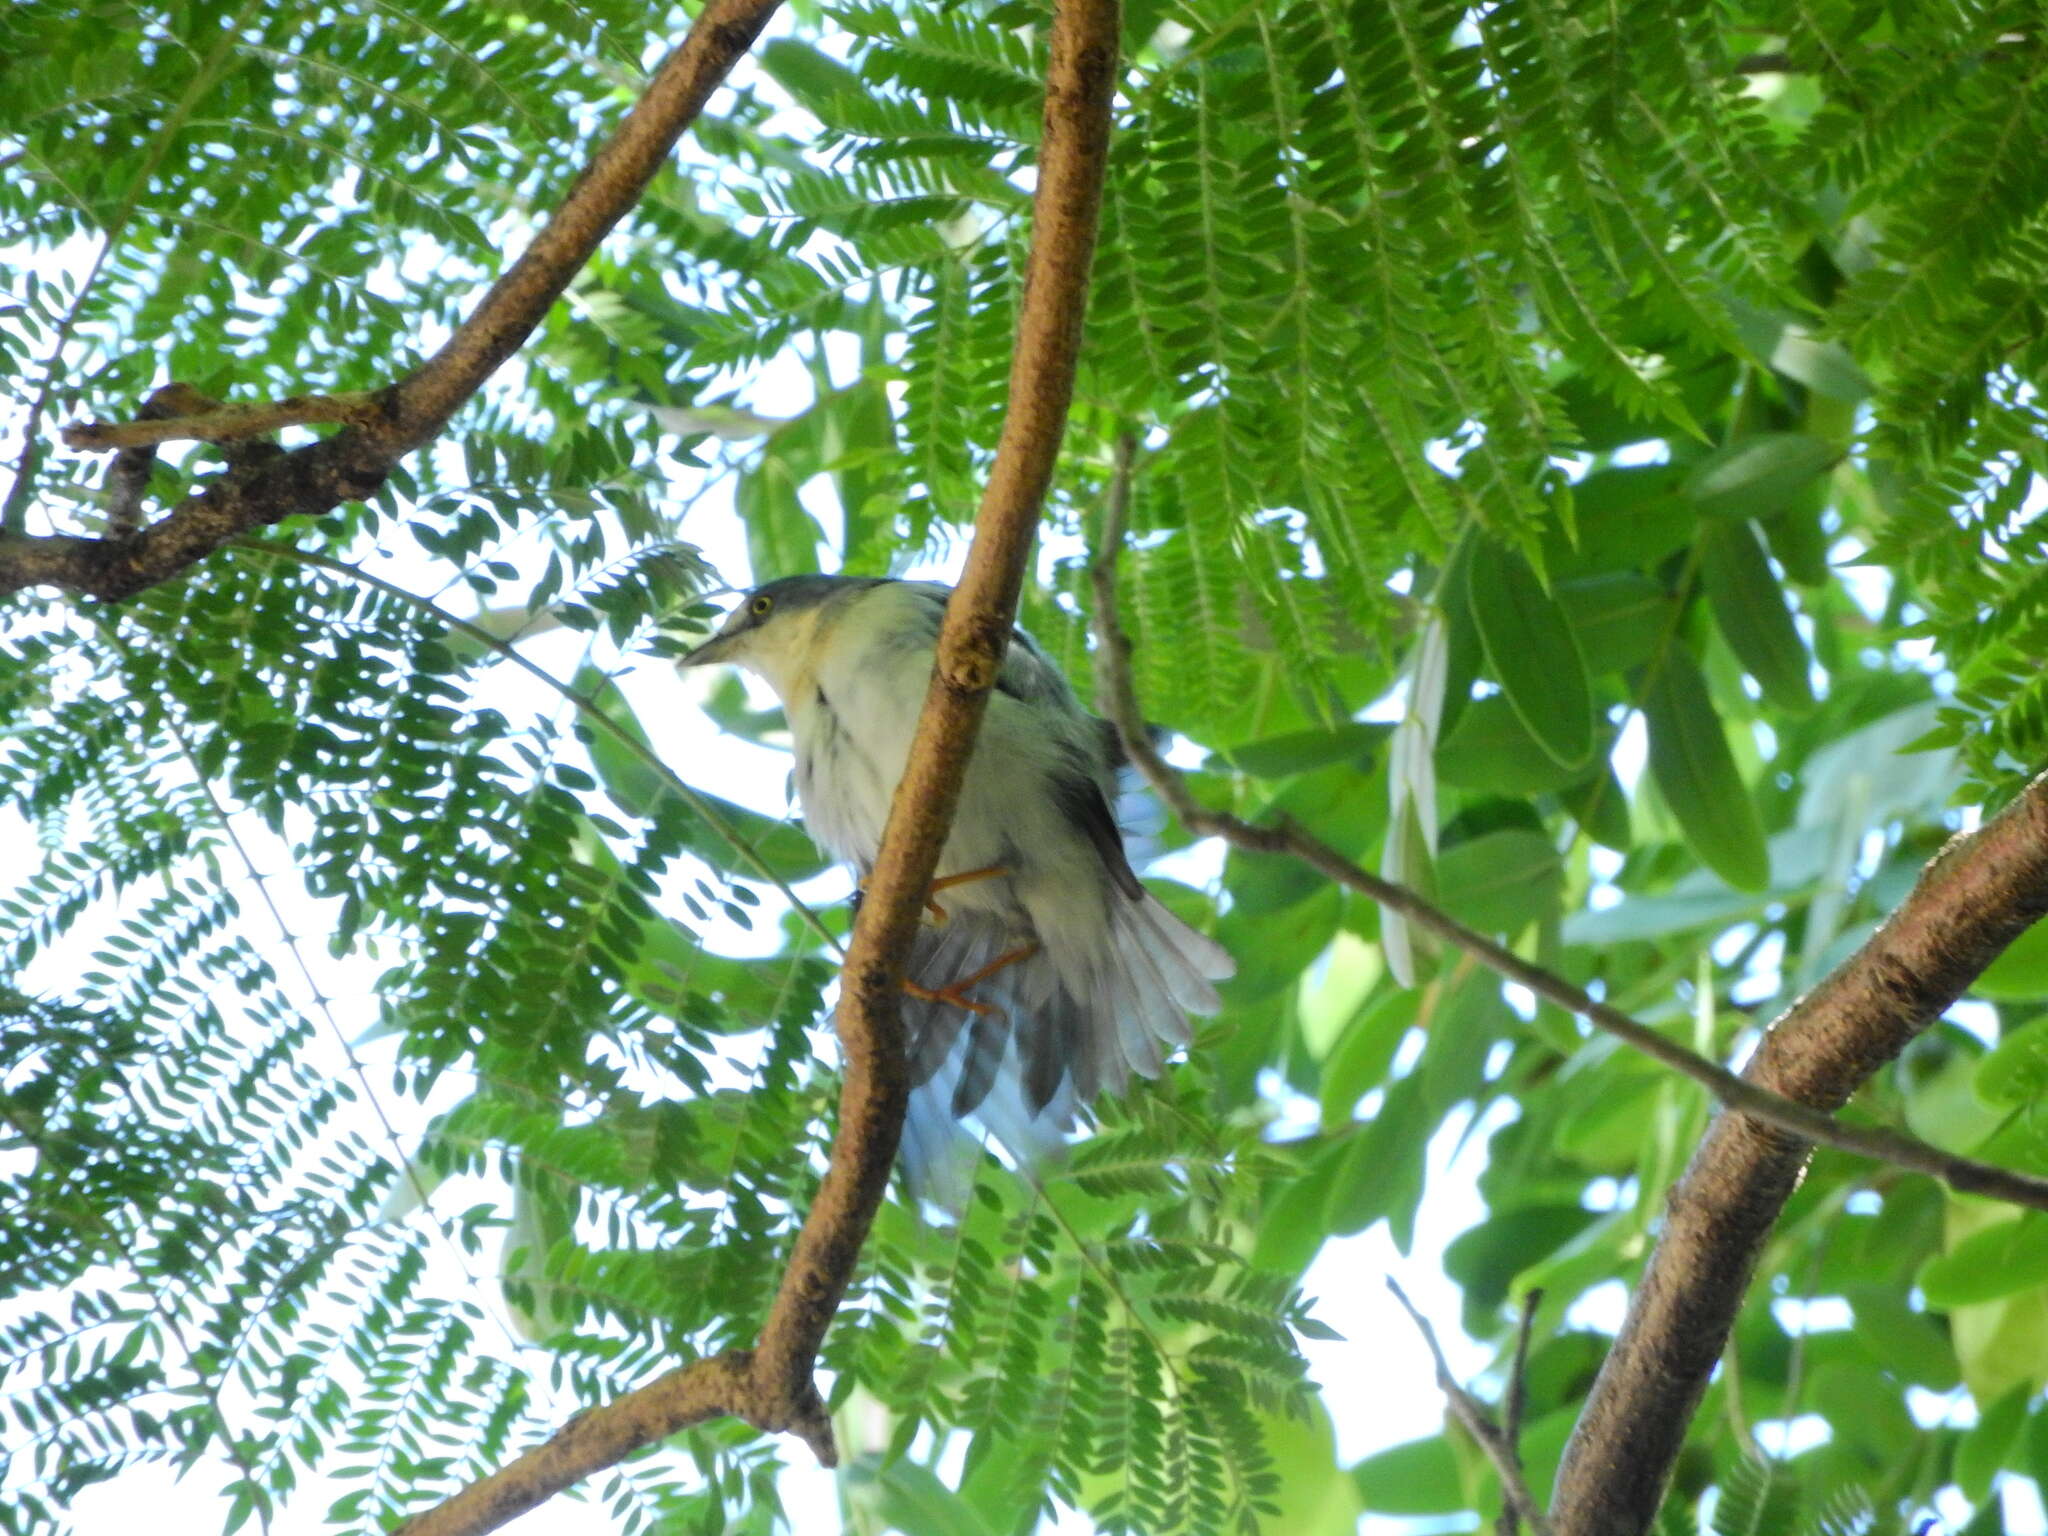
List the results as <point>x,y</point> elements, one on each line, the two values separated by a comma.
<point>1043,973</point>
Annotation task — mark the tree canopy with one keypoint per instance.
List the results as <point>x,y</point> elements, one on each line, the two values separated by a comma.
<point>1578,460</point>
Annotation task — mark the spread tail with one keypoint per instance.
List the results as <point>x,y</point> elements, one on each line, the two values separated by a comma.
<point>1055,1037</point>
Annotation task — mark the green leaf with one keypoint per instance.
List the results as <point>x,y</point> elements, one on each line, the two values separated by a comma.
<point>2016,1070</point>
<point>1531,652</point>
<point>2020,975</point>
<point>1749,604</point>
<point>1278,757</point>
<point>1492,751</point>
<point>1600,805</point>
<point>1695,772</point>
<point>1358,1062</point>
<point>1621,619</point>
<point>1500,882</point>
<point>1485,1259</point>
<point>1997,1261</point>
<point>1627,520</point>
<point>782,536</point>
<point>1757,476</point>
<point>1419,1477</point>
<point>1982,1452</point>
<point>1382,1165</point>
<point>908,1496</point>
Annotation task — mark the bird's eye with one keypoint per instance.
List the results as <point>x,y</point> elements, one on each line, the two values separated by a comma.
<point>759,606</point>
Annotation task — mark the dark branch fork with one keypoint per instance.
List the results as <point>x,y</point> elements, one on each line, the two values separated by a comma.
<point>385,425</point>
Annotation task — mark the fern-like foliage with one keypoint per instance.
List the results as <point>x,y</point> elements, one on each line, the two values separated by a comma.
<point>401,1047</point>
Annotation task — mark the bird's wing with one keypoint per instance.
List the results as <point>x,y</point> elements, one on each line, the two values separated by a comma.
<point>1030,678</point>
<point>1082,803</point>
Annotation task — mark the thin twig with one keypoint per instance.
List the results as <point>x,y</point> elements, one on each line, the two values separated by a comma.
<point>1499,1448</point>
<point>772,1386</point>
<point>224,421</point>
<point>1118,700</point>
<point>1516,1400</point>
<point>671,781</point>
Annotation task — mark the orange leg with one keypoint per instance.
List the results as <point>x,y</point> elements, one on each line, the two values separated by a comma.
<point>957,992</point>
<point>945,882</point>
<point>966,877</point>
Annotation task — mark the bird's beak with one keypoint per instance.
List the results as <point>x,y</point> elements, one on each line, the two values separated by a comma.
<point>718,648</point>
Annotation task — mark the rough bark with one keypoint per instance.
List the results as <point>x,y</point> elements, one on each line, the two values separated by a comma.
<point>1981,893</point>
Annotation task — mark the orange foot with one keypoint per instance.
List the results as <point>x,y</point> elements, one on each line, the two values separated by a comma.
<point>957,992</point>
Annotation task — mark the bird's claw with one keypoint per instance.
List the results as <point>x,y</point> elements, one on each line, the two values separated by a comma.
<point>952,994</point>
<point>957,992</point>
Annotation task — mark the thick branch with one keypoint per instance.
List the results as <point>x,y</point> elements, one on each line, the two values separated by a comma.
<point>354,462</point>
<point>772,1386</point>
<point>1980,894</point>
<point>1793,1118</point>
<point>1080,79</point>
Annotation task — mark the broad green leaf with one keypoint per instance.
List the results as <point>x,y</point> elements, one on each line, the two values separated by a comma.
<point>2016,1070</point>
<point>1470,1018</point>
<point>908,1496</point>
<point>1983,1451</point>
<point>1418,1477</point>
<point>1485,1259</point>
<point>2020,975</point>
<point>1911,1343</point>
<point>1501,881</point>
<point>1463,652</point>
<point>1278,757</point>
<point>1316,1496</point>
<point>1600,806</point>
<point>1358,1062</point>
<point>1295,1224</point>
<point>782,536</point>
<point>1621,619</point>
<point>1781,343</point>
<point>1627,520</point>
<point>1695,772</point>
<point>1749,604</point>
<point>1798,537</point>
<point>1492,751</point>
<point>1756,476</point>
<point>1997,1261</point>
<point>1531,652</point>
<point>1382,1165</point>
<point>1334,988</point>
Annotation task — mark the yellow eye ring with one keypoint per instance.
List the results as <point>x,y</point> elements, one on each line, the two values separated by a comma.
<point>760,606</point>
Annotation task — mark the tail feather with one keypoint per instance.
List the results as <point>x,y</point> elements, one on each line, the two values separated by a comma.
<point>1063,1028</point>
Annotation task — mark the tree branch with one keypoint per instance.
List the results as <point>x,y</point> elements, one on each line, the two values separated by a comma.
<point>353,463</point>
<point>1980,893</point>
<point>1080,80</point>
<point>1498,1444</point>
<point>1792,1118</point>
<point>772,1385</point>
<point>224,421</point>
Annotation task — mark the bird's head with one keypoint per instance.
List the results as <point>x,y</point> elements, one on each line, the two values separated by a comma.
<point>775,627</point>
